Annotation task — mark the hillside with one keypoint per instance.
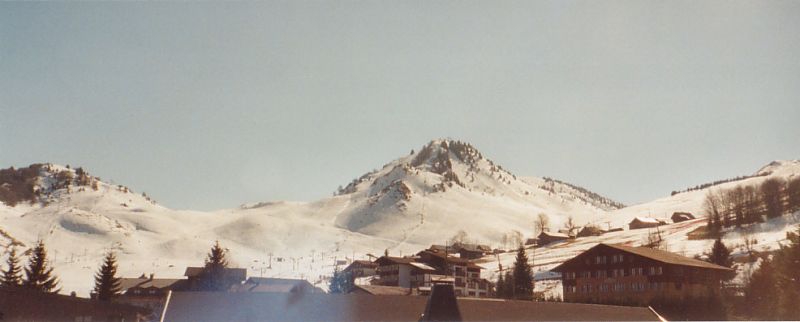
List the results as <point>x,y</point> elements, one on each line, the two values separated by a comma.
<point>425,197</point>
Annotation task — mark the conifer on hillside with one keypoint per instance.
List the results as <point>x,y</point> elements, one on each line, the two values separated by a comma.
<point>12,275</point>
<point>213,277</point>
<point>106,282</point>
<point>38,275</point>
<point>523,276</point>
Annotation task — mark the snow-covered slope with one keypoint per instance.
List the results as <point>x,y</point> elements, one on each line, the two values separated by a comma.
<point>423,198</point>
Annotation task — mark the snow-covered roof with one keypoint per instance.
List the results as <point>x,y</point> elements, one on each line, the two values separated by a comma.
<point>646,220</point>
<point>422,266</point>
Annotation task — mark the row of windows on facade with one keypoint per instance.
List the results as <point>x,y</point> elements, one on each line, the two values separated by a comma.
<point>619,258</point>
<point>619,272</point>
<point>616,287</point>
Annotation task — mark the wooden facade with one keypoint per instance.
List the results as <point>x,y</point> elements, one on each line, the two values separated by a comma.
<point>613,274</point>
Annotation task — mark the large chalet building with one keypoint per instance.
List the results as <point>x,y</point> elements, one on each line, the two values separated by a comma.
<point>430,266</point>
<point>615,274</point>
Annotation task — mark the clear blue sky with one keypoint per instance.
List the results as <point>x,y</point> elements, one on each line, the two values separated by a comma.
<point>210,105</point>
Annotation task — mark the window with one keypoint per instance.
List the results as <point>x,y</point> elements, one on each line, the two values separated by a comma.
<point>659,271</point>
<point>637,271</point>
<point>569,275</point>
<point>601,274</point>
<point>600,260</point>
<point>603,288</point>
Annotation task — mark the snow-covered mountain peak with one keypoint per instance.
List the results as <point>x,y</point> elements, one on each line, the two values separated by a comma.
<point>778,165</point>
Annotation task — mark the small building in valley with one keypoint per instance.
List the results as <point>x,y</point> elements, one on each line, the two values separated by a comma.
<point>615,274</point>
<point>148,291</point>
<point>681,216</point>
<point>645,222</point>
<point>547,237</point>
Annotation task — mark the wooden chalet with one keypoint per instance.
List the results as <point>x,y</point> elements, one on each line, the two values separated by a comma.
<point>360,268</point>
<point>590,230</point>
<point>681,216</point>
<point>405,272</point>
<point>615,274</point>
<point>472,251</point>
<point>148,291</point>
<point>645,222</point>
<point>547,237</point>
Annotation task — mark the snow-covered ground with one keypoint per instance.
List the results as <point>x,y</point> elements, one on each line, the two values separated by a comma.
<point>421,199</point>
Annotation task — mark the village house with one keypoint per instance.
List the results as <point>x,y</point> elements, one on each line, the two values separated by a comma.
<point>148,291</point>
<point>547,237</point>
<point>465,273</point>
<point>275,285</point>
<point>360,269</point>
<point>615,274</point>
<point>590,230</point>
<point>681,216</point>
<point>405,272</point>
<point>472,251</point>
<point>645,222</point>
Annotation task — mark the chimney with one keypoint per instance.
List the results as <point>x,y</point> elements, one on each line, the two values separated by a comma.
<point>151,276</point>
<point>442,304</point>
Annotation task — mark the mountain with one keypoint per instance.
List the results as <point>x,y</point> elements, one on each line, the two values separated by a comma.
<point>449,185</point>
<point>445,189</point>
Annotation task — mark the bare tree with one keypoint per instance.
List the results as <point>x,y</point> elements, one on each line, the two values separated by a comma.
<point>541,223</point>
<point>793,194</point>
<point>772,195</point>
<point>749,242</point>
<point>712,207</point>
<point>570,226</point>
<point>459,237</point>
<point>655,240</point>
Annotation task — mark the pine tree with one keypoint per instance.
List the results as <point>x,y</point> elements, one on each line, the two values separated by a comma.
<point>340,282</point>
<point>106,283</point>
<point>38,276</point>
<point>720,254</point>
<point>12,277</point>
<point>500,287</point>
<point>787,262</point>
<point>760,292</point>
<point>213,278</point>
<point>523,276</point>
<point>509,286</point>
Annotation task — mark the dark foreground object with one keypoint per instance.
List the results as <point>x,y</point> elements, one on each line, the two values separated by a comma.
<point>26,305</point>
<point>211,306</point>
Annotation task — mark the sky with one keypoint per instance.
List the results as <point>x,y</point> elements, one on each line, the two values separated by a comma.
<point>208,105</point>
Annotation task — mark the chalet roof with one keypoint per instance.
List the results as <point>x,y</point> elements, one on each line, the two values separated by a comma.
<point>646,220</point>
<point>395,260</point>
<point>473,247</point>
<point>384,290</point>
<point>422,266</point>
<point>451,259</point>
<point>551,234</point>
<point>361,263</point>
<point>238,273</point>
<point>654,254</point>
<point>160,283</point>
<point>220,306</point>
